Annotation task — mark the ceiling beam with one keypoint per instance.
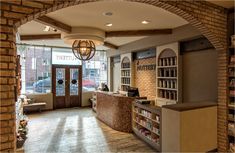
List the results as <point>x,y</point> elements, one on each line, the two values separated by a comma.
<point>109,45</point>
<point>54,23</point>
<point>40,37</point>
<point>131,33</point>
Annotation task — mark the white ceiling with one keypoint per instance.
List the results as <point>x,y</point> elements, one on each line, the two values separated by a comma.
<point>34,28</point>
<point>126,16</point>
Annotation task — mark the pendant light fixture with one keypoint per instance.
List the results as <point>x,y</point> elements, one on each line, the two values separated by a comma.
<point>83,49</point>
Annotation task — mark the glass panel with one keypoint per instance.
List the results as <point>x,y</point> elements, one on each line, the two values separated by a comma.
<point>35,69</point>
<point>94,72</point>
<point>74,81</point>
<point>60,81</point>
<point>64,56</point>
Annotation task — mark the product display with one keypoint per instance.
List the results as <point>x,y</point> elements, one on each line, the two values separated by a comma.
<point>168,74</point>
<point>125,73</point>
<point>147,123</point>
<point>21,122</point>
<point>231,102</point>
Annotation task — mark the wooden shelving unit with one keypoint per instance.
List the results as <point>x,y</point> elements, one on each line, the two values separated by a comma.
<point>18,77</point>
<point>146,124</point>
<point>126,71</point>
<point>168,74</point>
<point>231,102</point>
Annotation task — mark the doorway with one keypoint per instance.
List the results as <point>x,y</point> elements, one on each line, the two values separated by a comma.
<point>66,86</point>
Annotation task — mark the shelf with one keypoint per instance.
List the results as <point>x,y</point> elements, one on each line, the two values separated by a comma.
<point>125,69</point>
<point>167,88</point>
<point>147,117</point>
<point>125,84</point>
<point>147,140</point>
<point>156,133</point>
<point>143,126</point>
<point>125,77</point>
<point>231,106</point>
<point>155,121</point>
<point>171,100</point>
<point>153,112</point>
<point>231,66</point>
<point>144,116</point>
<point>170,66</point>
<point>232,96</point>
<point>166,77</point>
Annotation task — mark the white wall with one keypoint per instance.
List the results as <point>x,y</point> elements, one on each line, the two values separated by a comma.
<point>48,99</point>
<point>85,98</point>
<point>181,33</point>
<point>200,76</point>
<point>116,76</point>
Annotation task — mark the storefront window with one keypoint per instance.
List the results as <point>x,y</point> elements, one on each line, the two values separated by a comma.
<point>95,71</point>
<point>35,69</point>
<point>36,63</point>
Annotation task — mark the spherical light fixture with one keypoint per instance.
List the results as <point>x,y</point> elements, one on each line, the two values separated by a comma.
<point>83,49</point>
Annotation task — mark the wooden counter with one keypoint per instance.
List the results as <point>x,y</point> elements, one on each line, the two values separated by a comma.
<point>189,127</point>
<point>115,110</point>
<point>189,106</point>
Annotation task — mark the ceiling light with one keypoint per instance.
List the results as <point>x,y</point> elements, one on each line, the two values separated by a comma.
<point>107,13</point>
<point>47,28</point>
<point>109,24</point>
<point>145,22</point>
<point>83,49</point>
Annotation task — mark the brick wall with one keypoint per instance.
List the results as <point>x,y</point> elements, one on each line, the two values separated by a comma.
<point>210,19</point>
<point>145,80</point>
<point>7,83</point>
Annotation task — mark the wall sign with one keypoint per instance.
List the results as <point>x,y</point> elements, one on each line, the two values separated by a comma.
<point>150,67</point>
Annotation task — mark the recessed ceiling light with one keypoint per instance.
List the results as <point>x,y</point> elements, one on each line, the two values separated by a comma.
<point>109,24</point>
<point>47,28</point>
<point>108,13</point>
<point>145,22</point>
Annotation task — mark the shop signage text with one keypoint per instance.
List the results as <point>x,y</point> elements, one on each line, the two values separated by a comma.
<point>146,67</point>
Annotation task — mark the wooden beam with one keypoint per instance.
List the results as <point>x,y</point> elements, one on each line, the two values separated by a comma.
<point>40,37</point>
<point>109,45</point>
<point>54,23</point>
<point>131,33</point>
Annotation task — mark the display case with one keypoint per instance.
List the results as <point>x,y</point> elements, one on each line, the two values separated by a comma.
<point>231,102</point>
<point>126,71</point>
<point>168,74</point>
<point>18,76</point>
<point>146,123</point>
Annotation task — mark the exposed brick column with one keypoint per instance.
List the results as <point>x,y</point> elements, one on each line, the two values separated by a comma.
<point>7,83</point>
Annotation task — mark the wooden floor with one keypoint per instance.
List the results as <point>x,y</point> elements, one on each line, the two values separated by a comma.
<point>77,131</point>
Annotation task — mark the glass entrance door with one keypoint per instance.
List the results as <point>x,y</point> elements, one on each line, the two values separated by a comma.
<point>66,86</point>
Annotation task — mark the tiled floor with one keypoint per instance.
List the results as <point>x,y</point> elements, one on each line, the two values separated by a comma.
<point>77,131</point>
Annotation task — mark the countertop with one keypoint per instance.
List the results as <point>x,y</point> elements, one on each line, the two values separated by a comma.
<point>189,106</point>
<point>119,95</point>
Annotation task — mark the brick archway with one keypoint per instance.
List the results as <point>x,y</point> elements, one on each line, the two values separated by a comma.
<point>209,19</point>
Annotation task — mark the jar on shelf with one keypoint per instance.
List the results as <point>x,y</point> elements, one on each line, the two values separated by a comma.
<point>163,62</point>
<point>168,84</point>
<point>159,83</point>
<point>167,61</point>
<point>160,93</point>
<point>160,62</point>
